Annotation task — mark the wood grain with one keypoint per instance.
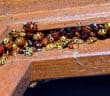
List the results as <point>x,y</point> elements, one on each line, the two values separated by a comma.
<point>69,67</point>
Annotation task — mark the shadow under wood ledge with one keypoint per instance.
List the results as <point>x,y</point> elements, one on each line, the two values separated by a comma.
<point>79,86</point>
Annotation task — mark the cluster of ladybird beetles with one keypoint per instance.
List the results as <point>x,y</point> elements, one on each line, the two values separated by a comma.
<point>31,40</point>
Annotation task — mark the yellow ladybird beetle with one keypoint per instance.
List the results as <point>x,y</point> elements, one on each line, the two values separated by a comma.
<point>22,34</point>
<point>102,32</point>
<point>63,38</point>
<point>50,46</point>
<point>14,33</point>
<point>107,25</point>
<point>91,40</point>
<point>77,40</point>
